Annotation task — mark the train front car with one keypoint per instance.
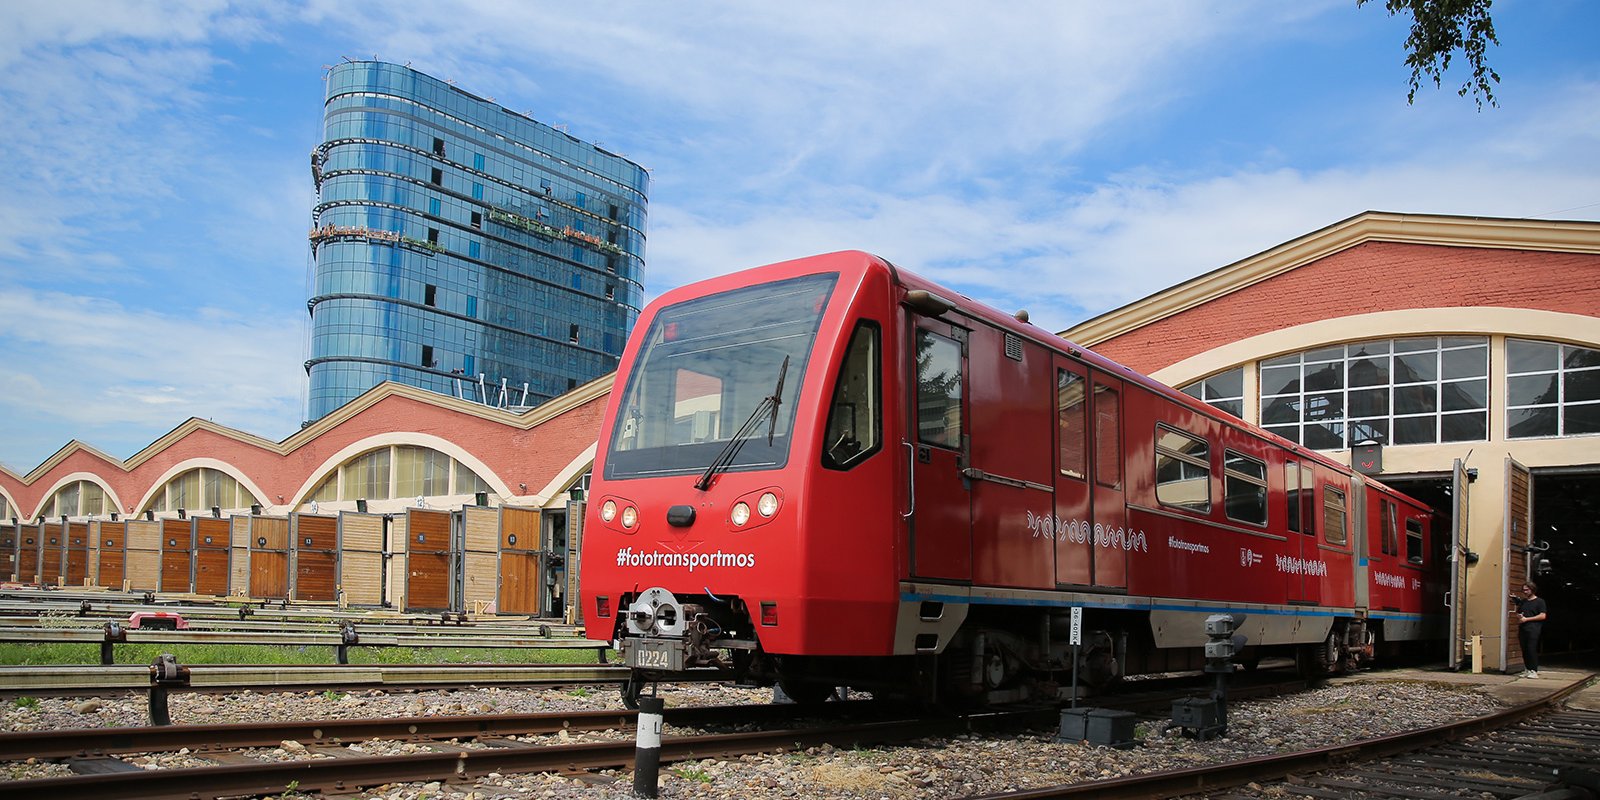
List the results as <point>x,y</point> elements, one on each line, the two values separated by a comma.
<point>728,523</point>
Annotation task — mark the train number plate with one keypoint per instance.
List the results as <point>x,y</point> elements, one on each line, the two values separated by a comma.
<point>655,654</point>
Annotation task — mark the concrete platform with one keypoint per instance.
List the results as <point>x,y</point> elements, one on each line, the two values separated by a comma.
<point>1508,689</point>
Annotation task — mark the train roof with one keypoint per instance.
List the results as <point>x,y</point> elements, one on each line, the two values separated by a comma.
<point>858,264</point>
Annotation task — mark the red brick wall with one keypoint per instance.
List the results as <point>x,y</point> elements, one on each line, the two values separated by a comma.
<point>533,457</point>
<point>1371,277</point>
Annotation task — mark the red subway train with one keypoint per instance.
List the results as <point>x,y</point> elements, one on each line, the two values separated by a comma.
<point>832,472</point>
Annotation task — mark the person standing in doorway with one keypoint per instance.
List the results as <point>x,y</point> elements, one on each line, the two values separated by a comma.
<point>1531,613</point>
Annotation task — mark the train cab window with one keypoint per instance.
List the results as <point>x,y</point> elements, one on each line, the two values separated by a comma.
<point>1183,470</point>
<point>938,389</point>
<point>1071,411</point>
<point>1244,488</point>
<point>1391,530</point>
<point>697,414</point>
<point>1414,541</point>
<point>1335,520</point>
<point>1107,436</point>
<point>855,417</point>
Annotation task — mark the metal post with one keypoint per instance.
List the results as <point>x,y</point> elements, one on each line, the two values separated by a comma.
<point>647,754</point>
<point>158,705</point>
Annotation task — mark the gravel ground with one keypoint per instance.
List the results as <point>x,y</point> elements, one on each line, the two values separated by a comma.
<point>935,767</point>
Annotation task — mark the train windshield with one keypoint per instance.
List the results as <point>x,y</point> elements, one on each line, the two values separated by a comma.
<point>707,369</point>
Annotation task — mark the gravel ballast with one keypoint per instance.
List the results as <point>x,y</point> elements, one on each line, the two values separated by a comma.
<point>933,767</point>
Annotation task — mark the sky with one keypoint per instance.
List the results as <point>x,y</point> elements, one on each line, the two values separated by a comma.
<point>1061,156</point>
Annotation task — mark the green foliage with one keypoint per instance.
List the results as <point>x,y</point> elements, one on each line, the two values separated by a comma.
<point>1439,28</point>
<point>27,701</point>
<point>579,692</point>
<point>692,773</point>
<point>332,696</point>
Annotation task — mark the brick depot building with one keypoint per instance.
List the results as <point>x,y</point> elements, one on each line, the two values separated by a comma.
<point>389,454</point>
<point>1462,354</point>
<point>1460,357</point>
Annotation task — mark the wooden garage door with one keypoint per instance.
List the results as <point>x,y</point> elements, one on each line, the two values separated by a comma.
<point>142,565</point>
<point>77,567</point>
<point>8,553</point>
<point>269,557</point>
<point>520,577</point>
<point>428,560</point>
<point>212,537</point>
<point>28,554</point>
<point>111,539</point>
<point>177,555</point>
<point>361,558</point>
<point>53,553</point>
<point>315,542</point>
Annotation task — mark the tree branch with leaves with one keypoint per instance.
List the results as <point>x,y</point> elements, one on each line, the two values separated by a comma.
<point>1440,28</point>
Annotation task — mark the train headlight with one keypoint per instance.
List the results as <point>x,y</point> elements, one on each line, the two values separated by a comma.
<point>768,504</point>
<point>740,514</point>
<point>608,511</point>
<point>630,517</point>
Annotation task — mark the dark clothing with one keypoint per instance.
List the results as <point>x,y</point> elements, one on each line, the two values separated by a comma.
<point>1528,632</point>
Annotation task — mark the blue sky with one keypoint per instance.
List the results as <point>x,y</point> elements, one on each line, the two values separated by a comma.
<point>1066,157</point>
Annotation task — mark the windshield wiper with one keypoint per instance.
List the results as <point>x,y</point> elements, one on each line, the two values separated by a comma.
<point>730,451</point>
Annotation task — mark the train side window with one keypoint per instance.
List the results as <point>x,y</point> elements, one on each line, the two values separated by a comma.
<point>1071,409</point>
<point>855,418</point>
<point>1335,521</point>
<point>1244,488</point>
<point>1291,493</point>
<point>938,389</point>
<point>1414,541</point>
<point>1107,437</point>
<point>1183,470</point>
<point>1299,484</point>
<point>1391,531</point>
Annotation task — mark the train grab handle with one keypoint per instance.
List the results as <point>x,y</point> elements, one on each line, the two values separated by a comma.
<point>911,470</point>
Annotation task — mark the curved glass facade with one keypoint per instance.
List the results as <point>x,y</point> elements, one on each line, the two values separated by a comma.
<point>454,239</point>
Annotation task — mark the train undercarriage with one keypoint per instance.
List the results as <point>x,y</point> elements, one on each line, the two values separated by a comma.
<point>999,655</point>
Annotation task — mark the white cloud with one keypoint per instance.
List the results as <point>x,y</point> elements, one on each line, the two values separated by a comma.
<point>93,365</point>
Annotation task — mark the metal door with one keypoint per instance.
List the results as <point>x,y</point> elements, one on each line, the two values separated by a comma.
<point>1110,513</point>
<point>941,504</point>
<point>1072,525</point>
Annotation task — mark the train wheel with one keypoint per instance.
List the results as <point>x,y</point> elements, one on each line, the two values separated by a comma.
<point>1323,659</point>
<point>805,693</point>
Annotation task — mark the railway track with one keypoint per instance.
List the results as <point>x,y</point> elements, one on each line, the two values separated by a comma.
<point>100,681</point>
<point>495,745</point>
<point>1512,753</point>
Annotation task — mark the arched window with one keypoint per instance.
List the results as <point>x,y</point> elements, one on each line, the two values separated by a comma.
<point>403,471</point>
<point>1416,390</point>
<point>1552,389</point>
<point>76,499</point>
<point>202,488</point>
<point>1224,390</point>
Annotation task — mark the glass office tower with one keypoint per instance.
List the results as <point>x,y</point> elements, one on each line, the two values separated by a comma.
<point>462,247</point>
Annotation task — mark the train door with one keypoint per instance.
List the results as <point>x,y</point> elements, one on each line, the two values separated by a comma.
<point>1300,487</point>
<point>1359,562</point>
<point>1456,597</point>
<point>941,503</point>
<point>1073,530</point>
<point>1110,510</point>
